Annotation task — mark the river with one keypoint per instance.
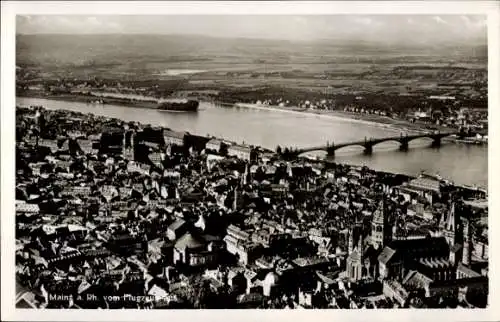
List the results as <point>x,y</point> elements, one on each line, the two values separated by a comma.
<point>463,164</point>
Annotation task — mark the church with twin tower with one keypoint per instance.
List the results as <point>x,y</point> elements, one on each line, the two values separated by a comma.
<point>378,254</point>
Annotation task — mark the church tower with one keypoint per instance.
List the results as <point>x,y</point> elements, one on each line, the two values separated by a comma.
<point>466,254</point>
<point>381,230</point>
<point>350,243</point>
<point>355,259</point>
<point>361,251</point>
<point>40,120</point>
<point>449,225</point>
<point>355,231</point>
<point>129,145</point>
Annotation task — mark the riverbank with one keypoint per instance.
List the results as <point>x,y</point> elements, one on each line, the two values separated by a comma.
<point>372,120</point>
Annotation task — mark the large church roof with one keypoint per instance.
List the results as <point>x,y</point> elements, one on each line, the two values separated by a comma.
<point>189,241</point>
<point>415,248</point>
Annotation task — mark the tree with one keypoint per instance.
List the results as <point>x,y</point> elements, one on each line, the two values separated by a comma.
<point>278,149</point>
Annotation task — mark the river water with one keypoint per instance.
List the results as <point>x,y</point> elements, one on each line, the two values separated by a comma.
<point>463,164</point>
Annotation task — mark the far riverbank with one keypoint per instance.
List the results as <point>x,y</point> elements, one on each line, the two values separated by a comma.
<point>368,119</point>
<point>373,120</point>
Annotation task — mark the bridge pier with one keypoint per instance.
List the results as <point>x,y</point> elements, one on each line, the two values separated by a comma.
<point>436,142</point>
<point>368,149</point>
<point>330,151</point>
<point>403,145</point>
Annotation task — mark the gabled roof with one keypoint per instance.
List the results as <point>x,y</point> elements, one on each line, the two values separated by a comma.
<point>328,277</point>
<point>417,279</point>
<point>26,301</point>
<point>467,271</point>
<point>386,255</point>
<point>176,224</point>
<point>409,276</point>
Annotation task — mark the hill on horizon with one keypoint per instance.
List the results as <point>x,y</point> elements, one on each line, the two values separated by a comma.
<point>103,50</point>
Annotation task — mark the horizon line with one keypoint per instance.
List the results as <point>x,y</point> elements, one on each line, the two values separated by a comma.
<point>312,40</point>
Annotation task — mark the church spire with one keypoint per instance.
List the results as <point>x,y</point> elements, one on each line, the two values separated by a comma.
<point>451,221</point>
<point>450,225</point>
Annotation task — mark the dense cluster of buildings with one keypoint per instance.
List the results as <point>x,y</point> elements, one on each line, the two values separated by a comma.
<point>112,214</point>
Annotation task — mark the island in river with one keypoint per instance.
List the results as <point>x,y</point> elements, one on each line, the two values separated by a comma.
<point>100,99</point>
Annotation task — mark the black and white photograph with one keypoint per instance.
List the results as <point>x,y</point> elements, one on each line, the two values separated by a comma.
<point>254,160</point>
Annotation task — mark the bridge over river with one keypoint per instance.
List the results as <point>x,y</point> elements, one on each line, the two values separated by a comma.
<point>369,143</point>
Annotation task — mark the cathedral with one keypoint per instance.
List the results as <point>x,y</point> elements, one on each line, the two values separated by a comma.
<point>364,247</point>
<point>377,254</point>
<point>435,258</point>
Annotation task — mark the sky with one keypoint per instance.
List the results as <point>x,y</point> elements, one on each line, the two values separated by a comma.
<point>419,28</point>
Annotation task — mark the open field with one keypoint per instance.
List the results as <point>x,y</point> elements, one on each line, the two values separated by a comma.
<point>176,64</point>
